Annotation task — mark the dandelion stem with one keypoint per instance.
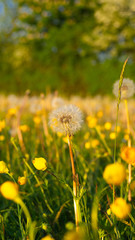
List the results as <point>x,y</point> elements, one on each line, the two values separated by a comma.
<point>78,219</point>
<point>129,145</point>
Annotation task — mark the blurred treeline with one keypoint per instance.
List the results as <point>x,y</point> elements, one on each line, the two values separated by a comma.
<point>75,47</point>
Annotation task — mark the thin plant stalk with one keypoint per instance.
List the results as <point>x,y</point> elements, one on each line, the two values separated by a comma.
<point>36,178</point>
<point>38,182</point>
<point>129,145</point>
<point>78,219</point>
<point>18,209</point>
<point>30,224</point>
<point>118,103</point>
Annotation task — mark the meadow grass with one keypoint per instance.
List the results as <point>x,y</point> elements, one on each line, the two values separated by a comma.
<point>45,208</point>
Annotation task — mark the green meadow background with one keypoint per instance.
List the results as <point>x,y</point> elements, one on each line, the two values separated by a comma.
<point>72,46</point>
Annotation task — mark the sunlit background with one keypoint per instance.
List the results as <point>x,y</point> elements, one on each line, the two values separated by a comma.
<point>71,46</point>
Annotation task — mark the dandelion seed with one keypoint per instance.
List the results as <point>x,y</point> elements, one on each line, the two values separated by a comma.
<point>66,119</point>
<point>127,88</point>
<point>120,208</point>
<point>114,173</point>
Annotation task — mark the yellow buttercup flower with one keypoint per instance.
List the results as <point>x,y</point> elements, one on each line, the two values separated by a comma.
<point>47,238</point>
<point>2,125</point>
<point>2,138</point>
<point>112,135</point>
<point>94,143</point>
<point>99,114</point>
<point>3,167</point>
<point>22,180</point>
<point>128,155</point>
<point>9,190</point>
<point>40,163</point>
<point>120,208</point>
<point>24,128</point>
<point>75,235</point>
<point>114,173</point>
<point>37,120</point>
<point>107,125</point>
<point>92,122</point>
<point>126,137</point>
<point>12,111</point>
<point>87,145</point>
<point>132,185</point>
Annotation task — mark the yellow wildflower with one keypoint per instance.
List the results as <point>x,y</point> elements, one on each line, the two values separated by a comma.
<point>126,137</point>
<point>37,120</point>
<point>12,111</point>
<point>59,134</point>
<point>9,190</point>
<point>47,238</point>
<point>92,122</point>
<point>107,125</point>
<point>128,155</point>
<point>118,129</point>
<point>65,139</point>
<point>120,208</point>
<point>99,114</point>
<point>24,128</point>
<point>94,143</point>
<point>73,235</point>
<point>40,163</point>
<point>2,138</point>
<point>132,185</point>
<point>2,125</point>
<point>87,145</point>
<point>22,180</point>
<point>114,173</point>
<point>112,135</point>
<point>3,167</point>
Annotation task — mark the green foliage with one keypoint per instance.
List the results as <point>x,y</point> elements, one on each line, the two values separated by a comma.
<point>67,46</point>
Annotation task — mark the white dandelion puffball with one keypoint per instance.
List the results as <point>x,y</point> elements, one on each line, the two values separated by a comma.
<point>127,88</point>
<point>66,119</point>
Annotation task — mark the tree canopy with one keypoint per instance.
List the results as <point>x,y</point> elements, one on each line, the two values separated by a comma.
<point>57,43</point>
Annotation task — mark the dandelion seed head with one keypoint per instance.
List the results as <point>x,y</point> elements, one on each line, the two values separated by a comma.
<point>66,119</point>
<point>127,88</point>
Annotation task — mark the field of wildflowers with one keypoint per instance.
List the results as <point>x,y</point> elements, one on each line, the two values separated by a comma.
<point>67,166</point>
